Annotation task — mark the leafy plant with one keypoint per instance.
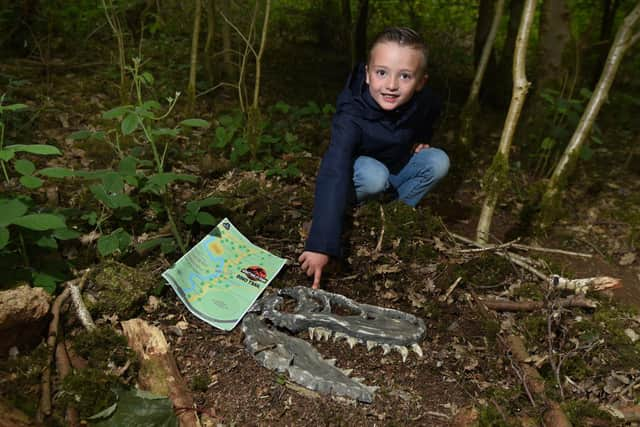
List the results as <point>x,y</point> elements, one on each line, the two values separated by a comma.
<point>563,115</point>
<point>141,123</point>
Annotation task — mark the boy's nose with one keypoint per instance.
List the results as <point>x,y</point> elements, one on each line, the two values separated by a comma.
<point>392,84</point>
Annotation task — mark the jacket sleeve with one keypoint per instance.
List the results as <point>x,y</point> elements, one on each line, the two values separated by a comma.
<point>334,187</point>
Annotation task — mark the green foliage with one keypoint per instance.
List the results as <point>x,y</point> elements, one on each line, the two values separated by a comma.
<point>89,390</point>
<point>280,137</point>
<point>562,116</point>
<point>103,347</point>
<point>579,411</point>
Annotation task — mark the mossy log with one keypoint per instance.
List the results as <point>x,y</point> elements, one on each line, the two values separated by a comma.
<point>159,373</point>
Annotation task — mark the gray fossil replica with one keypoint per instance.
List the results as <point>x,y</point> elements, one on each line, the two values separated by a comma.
<point>265,337</point>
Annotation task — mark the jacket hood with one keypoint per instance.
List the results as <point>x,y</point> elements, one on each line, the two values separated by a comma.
<point>356,99</point>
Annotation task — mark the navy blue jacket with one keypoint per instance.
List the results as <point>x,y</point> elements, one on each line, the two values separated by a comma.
<point>361,128</point>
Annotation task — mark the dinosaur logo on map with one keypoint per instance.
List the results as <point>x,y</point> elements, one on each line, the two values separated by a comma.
<point>256,273</point>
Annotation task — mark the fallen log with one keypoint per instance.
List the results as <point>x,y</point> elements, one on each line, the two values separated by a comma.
<point>159,373</point>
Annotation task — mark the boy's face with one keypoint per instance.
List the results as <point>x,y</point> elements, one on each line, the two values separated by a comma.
<point>394,74</point>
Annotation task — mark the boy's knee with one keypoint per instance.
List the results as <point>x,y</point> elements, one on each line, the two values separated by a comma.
<point>370,177</point>
<point>436,162</point>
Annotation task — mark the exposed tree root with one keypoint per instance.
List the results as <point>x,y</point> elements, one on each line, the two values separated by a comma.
<point>506,305</point>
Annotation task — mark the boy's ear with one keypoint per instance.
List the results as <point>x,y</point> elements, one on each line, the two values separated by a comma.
<point>422,82</point>
<point>366,74</point>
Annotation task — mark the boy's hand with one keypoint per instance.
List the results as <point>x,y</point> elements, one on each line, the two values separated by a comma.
<point>418,148</point>
<point>312,263</point>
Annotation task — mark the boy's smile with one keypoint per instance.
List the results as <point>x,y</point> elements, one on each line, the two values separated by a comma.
<point>394,74</point>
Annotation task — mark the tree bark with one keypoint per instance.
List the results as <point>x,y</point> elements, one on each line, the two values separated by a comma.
<point>227,57</point>
<point>191,87</point>
<point>496,176</point>
<point>208,44</point>
<point>486,53</point>
<point>486,14</point>
<point>159,373</point>
<point>347,34</point>
<point>360,34</point>
<point>555,35</point>
<point>623,40</point>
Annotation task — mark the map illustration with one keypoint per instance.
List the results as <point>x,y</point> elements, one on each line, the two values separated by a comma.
<point>222,276</point>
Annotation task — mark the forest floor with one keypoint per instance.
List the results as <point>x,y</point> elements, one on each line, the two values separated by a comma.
<point>399,258</point>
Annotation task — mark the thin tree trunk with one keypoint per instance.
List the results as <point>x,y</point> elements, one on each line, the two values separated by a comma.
<point>347,34</point>
<point>227,59</point>
<point>554,37</point>
<point>360,35</point>
<point>191,87</point>
<point>486,52</point>
<point>496,177</point>
<point>211,30</point>
<point>623,40</point>
<point>263,41</point>
<point>114,22</point>
<point>486,13</point>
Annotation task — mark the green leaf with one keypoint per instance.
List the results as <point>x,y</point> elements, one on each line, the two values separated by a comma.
<point>41,149</point>
<point>118,240</point>
<point>113,182</point>
<point>40,222</point>
<point>147,77</point>
<point>205,218</point>
<point>56,172</point>
<point>160,180</point>
<point>137,408</point>
<point>129,124</point>
<point>10,210</point>
<point>7,155</point>
<point>152,105</point>
<point>31,182</point>
<point>116,112</point>
<point>4,237</point>
<point>81,135</point>
<point>165,132</point>
<point>127,165</point>
<point>282,107</point>
<point>65,234</point>
<point>45,281</point>
<point>14,107</point>
<point>195,123</point>
<point>150,244</point>
<point>209,201</point>
<point>24,167</point>
<point>47,242</point>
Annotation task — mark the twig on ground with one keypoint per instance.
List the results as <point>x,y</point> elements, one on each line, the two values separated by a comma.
<point>81,310</point>
<point>63,366</point>
<point>379,245</point>
<point>44,408</point>
<point>597,284</point>
<point>550,250</point>
<point>455,284</point>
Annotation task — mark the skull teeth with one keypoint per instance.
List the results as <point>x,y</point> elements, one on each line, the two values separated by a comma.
<point>347,372</point>
<point>339,335</point>
<point>404,351</point>
<point>331,362</point>
<point>352,341</point>
<point>386,348</point>
<point>417,349</point>
<point>371,345</point>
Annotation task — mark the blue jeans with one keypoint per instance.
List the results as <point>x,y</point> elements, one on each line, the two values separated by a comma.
<point>423,171</point>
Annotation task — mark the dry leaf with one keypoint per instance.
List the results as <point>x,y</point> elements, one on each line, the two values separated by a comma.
<point>390,295</point>
<point>627,259</point>
<point>387,268</point>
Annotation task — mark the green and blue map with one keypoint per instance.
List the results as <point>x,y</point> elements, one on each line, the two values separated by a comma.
<point>222,276</point>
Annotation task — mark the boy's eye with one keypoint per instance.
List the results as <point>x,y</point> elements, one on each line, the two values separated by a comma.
<point>381,73</point>
<point>405,76</point>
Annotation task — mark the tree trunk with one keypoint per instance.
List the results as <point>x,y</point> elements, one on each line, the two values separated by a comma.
<point>227,58</point>
<point>191,87</point>
<point>623,40</point>
<point>347,34</point>
<point>211,31</point>
<point>500,84</point>
<point>609,9</point>
<point>113,20</point>
<point>496,177</point>
<point>486,13</point>
<point>471,107</point>
<point>159,373</point>
<point>486,53</point>
<point>555,35</point>
<point>360,35</point>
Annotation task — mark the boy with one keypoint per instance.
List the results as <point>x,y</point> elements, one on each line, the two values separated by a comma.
<point>379,137</point>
